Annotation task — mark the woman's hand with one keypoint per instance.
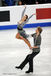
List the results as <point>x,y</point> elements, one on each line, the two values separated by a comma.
<point>25,5</point>
<point>33,14</point>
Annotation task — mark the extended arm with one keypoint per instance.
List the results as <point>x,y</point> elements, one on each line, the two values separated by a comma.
<point>23,12</point>
<point>33,35</point>
<point>29,18</point>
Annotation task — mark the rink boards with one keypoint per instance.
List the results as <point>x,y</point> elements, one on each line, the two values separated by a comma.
<point>9,16</point>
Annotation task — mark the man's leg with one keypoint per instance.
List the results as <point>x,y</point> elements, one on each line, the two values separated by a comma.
<point>30,59</point>
<point>31,65</point>
<point>22,65</point>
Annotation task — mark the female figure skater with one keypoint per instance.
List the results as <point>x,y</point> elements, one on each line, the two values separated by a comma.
<point>35,50</point>
<point>21,33</point>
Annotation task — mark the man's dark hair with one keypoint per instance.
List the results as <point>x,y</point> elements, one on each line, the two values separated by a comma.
<point>39,29</point>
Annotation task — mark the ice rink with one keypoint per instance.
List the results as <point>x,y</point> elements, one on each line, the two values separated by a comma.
<point>14,51</point>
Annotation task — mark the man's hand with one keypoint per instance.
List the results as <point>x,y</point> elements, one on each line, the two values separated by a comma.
<point>31,47</point>
<point>35,47</point>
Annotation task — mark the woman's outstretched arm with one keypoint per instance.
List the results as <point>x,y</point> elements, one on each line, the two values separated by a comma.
<point>23,11</point>
<point>29,18</point>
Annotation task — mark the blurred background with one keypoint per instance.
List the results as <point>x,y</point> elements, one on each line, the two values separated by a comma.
<point>22,2</point>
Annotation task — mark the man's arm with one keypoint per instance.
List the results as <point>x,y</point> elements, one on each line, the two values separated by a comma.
<point>35,47</point>
<point>32,35</point>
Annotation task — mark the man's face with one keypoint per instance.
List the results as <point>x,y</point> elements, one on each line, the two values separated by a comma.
<point>37,31</point>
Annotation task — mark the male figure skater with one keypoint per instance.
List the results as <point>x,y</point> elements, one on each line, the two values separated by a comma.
<point>21,33</point>
<point>35,50</point>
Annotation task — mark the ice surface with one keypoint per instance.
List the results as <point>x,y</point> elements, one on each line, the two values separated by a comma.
<point>14,51</point>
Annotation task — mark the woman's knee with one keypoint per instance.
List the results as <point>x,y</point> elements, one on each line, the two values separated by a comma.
<point>17,35</point>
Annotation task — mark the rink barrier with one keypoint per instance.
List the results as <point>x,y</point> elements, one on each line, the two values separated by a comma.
<point>10,16</point>
<point>26,26</point>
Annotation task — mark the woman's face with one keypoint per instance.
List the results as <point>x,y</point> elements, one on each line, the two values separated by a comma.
<point>24,18</point>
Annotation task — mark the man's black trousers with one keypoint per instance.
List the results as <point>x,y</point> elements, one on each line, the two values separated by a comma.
<point>29,59</point>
